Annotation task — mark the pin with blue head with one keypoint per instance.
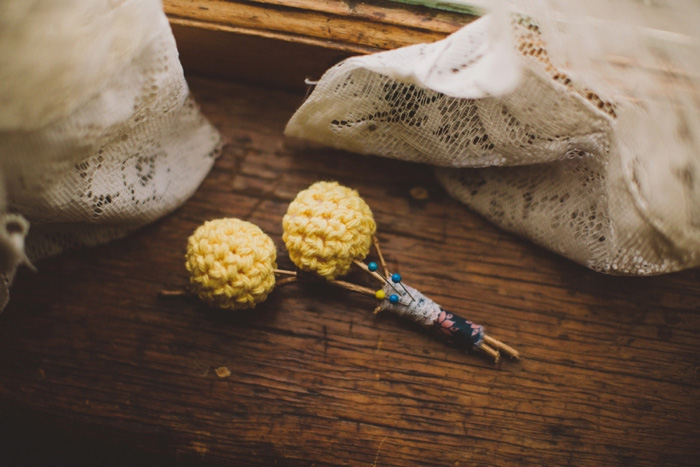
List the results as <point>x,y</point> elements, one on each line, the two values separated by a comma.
<point>396,279</point>
<point>457,331</point>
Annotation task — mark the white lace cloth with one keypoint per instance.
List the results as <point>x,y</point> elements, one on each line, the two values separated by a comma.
<point>579,132</point>
<point>98,134</point>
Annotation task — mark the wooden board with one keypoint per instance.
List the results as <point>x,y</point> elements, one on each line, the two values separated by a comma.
<point>96,368</point>
<point>281,43</point>
<point>350,26</point>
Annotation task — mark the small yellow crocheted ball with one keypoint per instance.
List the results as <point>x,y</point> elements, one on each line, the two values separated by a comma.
<point>326,228</point>
<point>231,263</point>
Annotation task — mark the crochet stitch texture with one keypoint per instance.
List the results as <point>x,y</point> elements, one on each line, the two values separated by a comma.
<point>326,228</point>
<point>231,263</point>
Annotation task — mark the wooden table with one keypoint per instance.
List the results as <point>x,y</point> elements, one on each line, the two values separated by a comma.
<point>95,367</point>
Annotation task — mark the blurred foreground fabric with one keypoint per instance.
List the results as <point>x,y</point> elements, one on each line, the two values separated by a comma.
<point>98,133</point>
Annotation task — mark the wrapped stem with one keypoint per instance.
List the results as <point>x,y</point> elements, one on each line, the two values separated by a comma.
<point>454,329</point>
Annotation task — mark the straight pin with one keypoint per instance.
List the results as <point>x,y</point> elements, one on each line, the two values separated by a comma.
<point>375,243</point>
<point>373,272</point>
<point>396,279</point>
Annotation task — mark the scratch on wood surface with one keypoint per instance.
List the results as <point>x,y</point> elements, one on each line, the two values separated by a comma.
<point>325,342</point>
<point>374,464</point>
<point>240,154</point>
<point>267,195</point>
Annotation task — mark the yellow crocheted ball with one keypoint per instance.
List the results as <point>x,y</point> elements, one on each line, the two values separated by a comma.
<point>326,228</point>
<point>231,263</point>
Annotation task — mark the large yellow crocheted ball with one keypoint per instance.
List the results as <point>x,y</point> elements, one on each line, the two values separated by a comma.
<point>231,263</point>
<point>326,228</point>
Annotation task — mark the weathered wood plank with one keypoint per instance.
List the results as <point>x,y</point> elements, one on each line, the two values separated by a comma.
<point>609,374</point>
<point>356,27</point>
<point>280,44</point>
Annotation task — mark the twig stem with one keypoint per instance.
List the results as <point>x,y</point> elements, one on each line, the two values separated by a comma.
<point>354,287</point>
<point>490,351</point>
<point>173,293</point>
<point>285,281</point>
<point>285,272</point>
<point>510,351</point>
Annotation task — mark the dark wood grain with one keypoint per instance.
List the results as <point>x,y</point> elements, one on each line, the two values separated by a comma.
<point>93,361</point>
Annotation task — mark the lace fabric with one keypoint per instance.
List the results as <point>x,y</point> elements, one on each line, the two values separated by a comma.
<point>565,148</point>
<point>98,133</point>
